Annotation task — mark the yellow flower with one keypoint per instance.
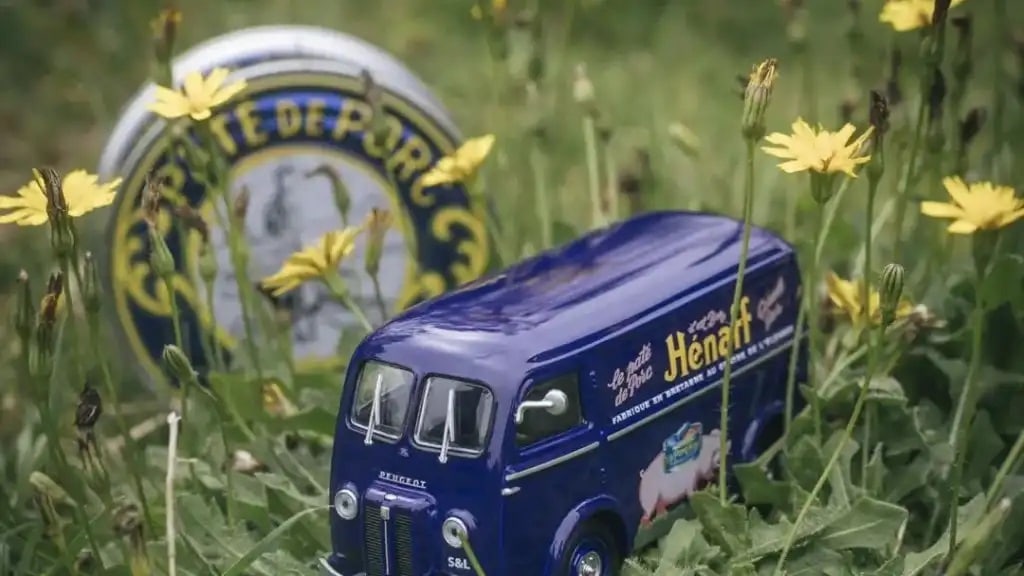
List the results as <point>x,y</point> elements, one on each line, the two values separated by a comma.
<point>981,206</point>
<point>848,297</point>
<point>315,261</point>
<point>461,165</point>
<point>904,15</point>
<point>198,96</point>
<point>818,150</point>
<point>82,192</point>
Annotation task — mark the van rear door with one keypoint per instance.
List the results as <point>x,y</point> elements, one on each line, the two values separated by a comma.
<point>553,464</point>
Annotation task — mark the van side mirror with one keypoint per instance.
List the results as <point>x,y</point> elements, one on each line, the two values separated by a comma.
<point>555,402</point>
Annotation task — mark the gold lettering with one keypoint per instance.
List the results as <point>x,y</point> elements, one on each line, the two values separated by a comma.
<point>352,117</point>
<point>394,135</point>
<point>219,128</point>
<point>695,353</point>
<point>744,320</point>
<point>289,118</point>
<point>722,342</point>
<point>675,344</point>
<point>413,156</point>
<point>315,117</point>
<point>472,249</point>
<point>250,123</point>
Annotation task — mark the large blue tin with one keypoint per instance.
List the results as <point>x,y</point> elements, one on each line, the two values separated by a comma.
<point>613,348</point>
<point>302,110</point>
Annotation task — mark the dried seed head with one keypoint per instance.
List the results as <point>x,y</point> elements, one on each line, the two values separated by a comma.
<point>89,410</point>
<point>152,197</point>
<point>379,128</point>
<point>890,291</point>
<point>177,364</point>
<point>207,263</point>
<point>878,115</point>
<point>244,462</point>
<point>193,220</point>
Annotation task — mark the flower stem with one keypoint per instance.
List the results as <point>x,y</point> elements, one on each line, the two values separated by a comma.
<point>865,306</point>
<point>378,296</point>
<point>593,171</point>
<point>811,295</point>
<point>748,202</point>
<point>540,196</point>
<point>337,287</point>
<point>216,359</point>
<point>172,458</point>
<point>1008,467</point>
<point>903,192</point>
<point>847,434</point>
<point>964,415</point>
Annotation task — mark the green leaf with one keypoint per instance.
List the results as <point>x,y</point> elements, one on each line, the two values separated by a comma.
<point>918,562</point>
<point>724,524</point>
<point>685,547</point>
<point>869,524</point>
<point>1003,283</point>
<point>903,480</point>
<point>983,448</point>
<point>886,390</point>
<point>267,543</point>
<point>840,478</point>
<point>814,561</point>
<point>757,488</point>
<point>806,462</point>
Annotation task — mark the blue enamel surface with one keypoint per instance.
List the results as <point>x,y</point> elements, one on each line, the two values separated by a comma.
<point>608,308</point>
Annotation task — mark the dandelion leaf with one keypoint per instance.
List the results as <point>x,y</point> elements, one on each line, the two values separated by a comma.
<point>868,524</point>
<point>806,462</point>
<point>811,561</point>
<point>840,478</point>
<point>919,563</point>
<point>757,488</point>
<point>724,525</point>
<point>685,547</point>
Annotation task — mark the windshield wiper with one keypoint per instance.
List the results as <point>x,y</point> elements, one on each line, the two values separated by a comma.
<point>374,420</point>
<point>449,427</point>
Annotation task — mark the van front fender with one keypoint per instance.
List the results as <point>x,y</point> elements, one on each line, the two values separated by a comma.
<point>603,509</point>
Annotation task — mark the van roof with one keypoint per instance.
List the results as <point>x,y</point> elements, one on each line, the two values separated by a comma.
<point>574,295</point>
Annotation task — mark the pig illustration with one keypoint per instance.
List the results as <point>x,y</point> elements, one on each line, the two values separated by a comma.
<point>660,490</point>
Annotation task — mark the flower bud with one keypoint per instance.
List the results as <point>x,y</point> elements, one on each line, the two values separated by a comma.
<point>377,224</point>
<point>165,32</point>
<point>160,258</point>
<point>91,291</point>
<point>379,128</point>
<point>583,88</point>
<point>25,312</point>
<point>342,198</point>
<point>177,364</point>
<point>207,263</point>
<point>47,321</point>
<point>193,220</point>
<point>878,116</point>
<point>756,97</point>
<point>890,292</point>
<point>62,238</point>
<point>240,206</point>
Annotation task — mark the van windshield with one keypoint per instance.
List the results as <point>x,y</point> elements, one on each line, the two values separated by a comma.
<point>392,402</point>
<point>467,424</point>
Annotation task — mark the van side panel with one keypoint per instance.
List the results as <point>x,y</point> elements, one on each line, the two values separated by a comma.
<point>661,385</point>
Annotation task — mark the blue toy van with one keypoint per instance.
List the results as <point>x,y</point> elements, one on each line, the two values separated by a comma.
<point>556,414</point>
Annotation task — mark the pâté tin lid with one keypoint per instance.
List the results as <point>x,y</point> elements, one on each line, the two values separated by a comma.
<point>294,134</point>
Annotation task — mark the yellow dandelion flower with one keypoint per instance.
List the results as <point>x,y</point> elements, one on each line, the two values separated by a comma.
<point>807,149</point>
<point>905,15</point>
<point>198,96</point>
<point>461,165</point>
<point>848,297</point>
<point>980,206</point>
<point>314,261</point>
<point>82,192</point>
<point>498,8</point>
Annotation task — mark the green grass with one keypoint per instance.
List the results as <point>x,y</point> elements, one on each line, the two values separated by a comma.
<point>652,63</point>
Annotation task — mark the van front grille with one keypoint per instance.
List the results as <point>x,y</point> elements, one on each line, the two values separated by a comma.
<point>382,537</point>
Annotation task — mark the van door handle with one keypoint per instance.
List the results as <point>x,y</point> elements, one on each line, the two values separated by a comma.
<point>509,491</point>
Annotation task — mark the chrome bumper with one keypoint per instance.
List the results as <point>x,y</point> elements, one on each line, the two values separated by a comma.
<point>327,570</point>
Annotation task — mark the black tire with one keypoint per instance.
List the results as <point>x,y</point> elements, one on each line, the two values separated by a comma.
<point>591,536</point>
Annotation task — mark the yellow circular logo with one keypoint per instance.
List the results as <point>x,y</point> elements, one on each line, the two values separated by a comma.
<point>293,141</point>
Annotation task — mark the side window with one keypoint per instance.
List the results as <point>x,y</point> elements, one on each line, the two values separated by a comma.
<point>538,425</point>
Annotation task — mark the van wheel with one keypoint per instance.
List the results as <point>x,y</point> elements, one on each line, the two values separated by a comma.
<point>591,551</point>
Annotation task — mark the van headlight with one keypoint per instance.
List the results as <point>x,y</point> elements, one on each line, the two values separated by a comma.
<point>346,503</point>
<point>454,530</point>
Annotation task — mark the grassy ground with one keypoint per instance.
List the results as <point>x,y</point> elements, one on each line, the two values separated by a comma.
<point>654,64</point>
